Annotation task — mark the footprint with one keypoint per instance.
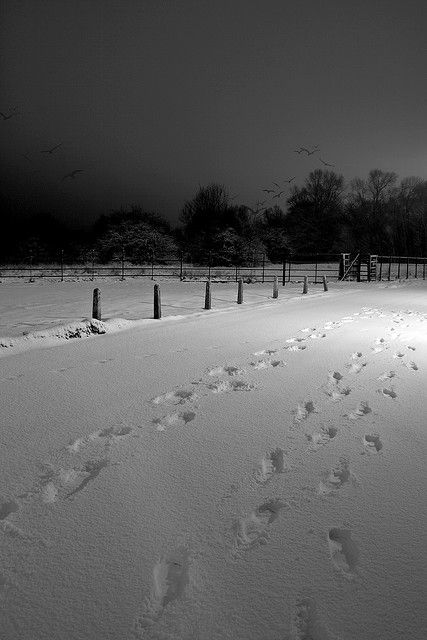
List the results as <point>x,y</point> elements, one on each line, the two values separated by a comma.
<point>306,624</point>
<point>335,478</point>
<point>335,376</point>
<point>253,530</point>
<point>411,348</point>
<point>292,340</point>
<point>355,367</point>
<point>398,354</point>
<point>307,329</point>
<point>337,394</point>
<point>171,419</point>
<point>178,397</point>
<point>91,469</point>
<point>388,392</point>
<point>171,576</point>
<point>387,376</point>
<point>318,440</point>
<point>230,370</point>
<point>225,386</point>
<point>299,347</point>
<point>316,336</point>
<point>344,552</point>
<point>273,462</point>
<point>356,354</point>
<point>265,352</point>
<point>411,365</point>
<point>7,507</point>
<point>362,409</point>
<point>265,364</point>
<point>372,443</point>
<point>303,410</point>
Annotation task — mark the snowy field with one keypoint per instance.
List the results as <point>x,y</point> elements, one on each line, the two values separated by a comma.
<point>254,472</point>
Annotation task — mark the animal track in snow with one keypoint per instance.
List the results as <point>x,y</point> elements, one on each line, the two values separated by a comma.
<point>316,336</point>
<point>322,438</point>
<point>224,386</point>
<point>91,469</point>
<point>109,433</point>
<point>387,376</point>
<point>265,352</point>
<point>344,552</point>
<point>308,329</point>
<point>292,340</point>
<point>171,576</point>
<point>398,354</point>
<point>372,443</point>
<point>362,409</point>
<point>335,376</point>
<point>356,354</point>
<point>335,478</point>
<point>171,419</point>
<point>273,462</point>
<point>410,365</point>
<point>306,624</point>
<point>388,392</point>
<point>253,530</point>
<point>410,347</point>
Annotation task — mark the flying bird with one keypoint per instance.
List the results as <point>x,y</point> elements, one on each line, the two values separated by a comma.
<point>12,112</point>
<point>327,164</point>
<point>72,175</point>
<point>52,149</point>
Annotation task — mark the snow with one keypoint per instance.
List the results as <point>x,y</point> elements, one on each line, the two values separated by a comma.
<point>252,472</point>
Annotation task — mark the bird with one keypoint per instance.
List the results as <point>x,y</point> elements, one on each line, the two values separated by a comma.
<point>268,190</point>
<point>13,112</point>
<point>52,149</point>
<point>279,194</point>
<point>72,174</point>
<point>327,164</point>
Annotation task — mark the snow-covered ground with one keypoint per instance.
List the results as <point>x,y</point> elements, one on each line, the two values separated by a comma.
<point>250,472</point>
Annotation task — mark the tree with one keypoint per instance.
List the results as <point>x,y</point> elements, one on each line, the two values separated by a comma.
<point>315,215</point>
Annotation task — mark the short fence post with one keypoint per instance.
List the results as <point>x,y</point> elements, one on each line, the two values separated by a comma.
<point>62,265</point>
<point>180,267</point>
<point>325,284</point>
<point>240,291</point>
<point>389,268</point>
<point>284,273</point>
<point>123,264</point>
<point>263,267</point>
<point>305,285</point>
<point>275,287</point>
<point>157,303</point>
<point>96,304</point>
<point>208,299</point>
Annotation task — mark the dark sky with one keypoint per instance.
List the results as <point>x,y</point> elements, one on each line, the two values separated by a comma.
<point>152,97</point>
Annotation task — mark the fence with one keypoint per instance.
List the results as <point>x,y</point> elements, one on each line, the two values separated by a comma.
<point>292,269</point>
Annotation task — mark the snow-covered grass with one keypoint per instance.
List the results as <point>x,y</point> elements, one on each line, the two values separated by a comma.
<point>252,472</point>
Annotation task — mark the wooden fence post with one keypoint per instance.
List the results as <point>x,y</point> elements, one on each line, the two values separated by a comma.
<point>208,299</point>
<point>305,285</point>
<point>157,303</point>
<point>96,304</point>
<point>275,287</point>
<point>240,291</point>
<point>325,284</point>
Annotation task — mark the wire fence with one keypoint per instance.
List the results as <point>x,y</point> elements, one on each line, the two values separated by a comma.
<point>291,269</point>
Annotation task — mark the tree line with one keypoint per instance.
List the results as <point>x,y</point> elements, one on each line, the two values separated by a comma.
<point>378,214</point>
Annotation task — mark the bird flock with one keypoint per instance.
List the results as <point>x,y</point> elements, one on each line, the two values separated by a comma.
<point>50,151</point>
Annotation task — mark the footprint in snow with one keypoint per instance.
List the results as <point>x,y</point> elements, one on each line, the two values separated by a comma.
<point>252,530</point>
<point>343,550</point>
<point>177,397</point>
<point>398,354</point>
<point>316,336</point>
<point>362,409</point>
<point>171,419</point>
<point>336,477</point>
<point>322,438</point>
<point>7,507</point>
<point>109,434</point>
<point>91,470</point>
<point>230,370</point>
<point>225,386</point>
<point>295,347</point>
<point>410,347</point>
<point>292,340</point>
<point>265,364</point>
<point>308,329</point>
<point>303,410</point>
<point>271,463</point>
<point>265,352</point>
<point>387,376</point>
<point>171,577</point>
<point>389,393</point>
<point>372,443</point>
<point>306,624</point>
<point>410,365</point>
<point>356,354</point>
<point>355,367</point>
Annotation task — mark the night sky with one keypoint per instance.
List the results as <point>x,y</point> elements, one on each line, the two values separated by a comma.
<point>150,98</point>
